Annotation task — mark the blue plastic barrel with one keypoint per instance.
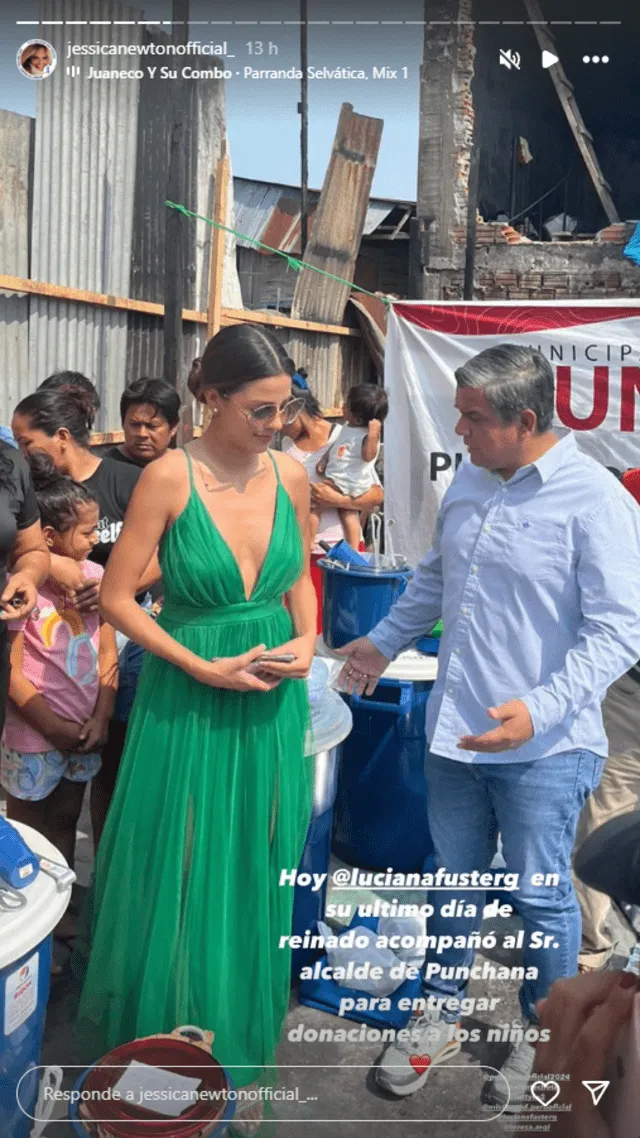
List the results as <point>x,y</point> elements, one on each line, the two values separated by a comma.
<point>23,980</point>
<point>381,804</point>
<point>355,600</point>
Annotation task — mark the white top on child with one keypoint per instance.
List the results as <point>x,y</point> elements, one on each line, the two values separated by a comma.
<point>346,467</point>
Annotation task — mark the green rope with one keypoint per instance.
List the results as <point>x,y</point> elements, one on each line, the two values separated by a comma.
<point>292,262</point>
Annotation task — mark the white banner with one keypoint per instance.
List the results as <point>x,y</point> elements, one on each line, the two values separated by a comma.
<point>593,347</point>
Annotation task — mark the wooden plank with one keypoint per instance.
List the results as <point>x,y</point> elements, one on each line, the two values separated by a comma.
<point>405,217</point>
<point>114,438</point>
<point>571,110</point>
<point>338,224</point>
<point>277,320</point>
<point>102,300</point>
<point>11,283</point>
<point>218,239</point>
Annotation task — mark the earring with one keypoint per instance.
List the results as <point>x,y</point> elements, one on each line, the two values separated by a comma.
<point>214,410</point>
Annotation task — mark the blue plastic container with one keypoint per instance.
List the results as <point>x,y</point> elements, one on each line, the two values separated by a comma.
<point>326,995</point>
<point>25,968</point>
<point>355,600</point>
<point>19,866</point>
<point>429,645</point>
<point>20,1049</point>
<point>346,554</point>
<point>381,805</point>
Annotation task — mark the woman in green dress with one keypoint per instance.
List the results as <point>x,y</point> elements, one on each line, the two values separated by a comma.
<point>214,794</point>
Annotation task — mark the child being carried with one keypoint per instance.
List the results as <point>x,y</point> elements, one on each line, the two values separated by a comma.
<point>63,679</point>
<point>349,465</point>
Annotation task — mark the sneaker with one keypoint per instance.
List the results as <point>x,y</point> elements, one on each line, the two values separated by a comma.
<point>405,1065</point>
<point>517,1071</point>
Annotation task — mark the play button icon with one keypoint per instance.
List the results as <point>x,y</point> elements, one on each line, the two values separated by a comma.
<point>548,59</point>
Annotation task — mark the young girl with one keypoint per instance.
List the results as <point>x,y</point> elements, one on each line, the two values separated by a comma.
<point>349,466</point>
<point>64,676</point>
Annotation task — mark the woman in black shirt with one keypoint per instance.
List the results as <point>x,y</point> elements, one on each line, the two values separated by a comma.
<point>23,550</point>
<point>58,422</point>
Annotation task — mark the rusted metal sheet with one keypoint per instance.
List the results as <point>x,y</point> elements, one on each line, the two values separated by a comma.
<point>334,363</point>
<point>339,222</point>
<point>270,213</point>
<point>16,143</point>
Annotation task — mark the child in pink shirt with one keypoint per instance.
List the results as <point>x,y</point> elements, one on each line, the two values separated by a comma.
<point>64,676</point>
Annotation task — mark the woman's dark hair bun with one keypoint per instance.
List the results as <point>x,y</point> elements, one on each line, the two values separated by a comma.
<point>82,400</point>
<point>195,377</point>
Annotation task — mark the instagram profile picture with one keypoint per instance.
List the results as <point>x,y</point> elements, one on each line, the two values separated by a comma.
<point>36,59</point>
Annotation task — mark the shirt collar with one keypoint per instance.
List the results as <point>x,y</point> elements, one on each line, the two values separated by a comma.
<point>561,452</point>
<point>547,465</point>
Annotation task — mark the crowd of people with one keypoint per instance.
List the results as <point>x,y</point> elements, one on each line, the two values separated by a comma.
<point>146,648</point>
<point>159,619</point>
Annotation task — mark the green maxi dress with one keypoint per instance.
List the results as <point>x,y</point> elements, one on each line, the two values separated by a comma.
<point>212,802</point>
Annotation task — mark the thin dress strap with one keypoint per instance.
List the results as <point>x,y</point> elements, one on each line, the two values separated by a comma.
<point>275,467</point>
<point>190,466</point>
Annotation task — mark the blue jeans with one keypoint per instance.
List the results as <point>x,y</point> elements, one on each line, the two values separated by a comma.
<point>130,661</point>
<point>534,807</point>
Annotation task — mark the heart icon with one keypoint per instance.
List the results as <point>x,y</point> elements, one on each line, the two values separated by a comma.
<point>545,1093</point>
<point>420,1063</point>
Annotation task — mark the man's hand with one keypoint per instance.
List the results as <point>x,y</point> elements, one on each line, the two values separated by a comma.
<point>80,592</point>
<point>583,1016</point>
<point>516,728</point>
<point>364,666</point>
<point>86,599</point>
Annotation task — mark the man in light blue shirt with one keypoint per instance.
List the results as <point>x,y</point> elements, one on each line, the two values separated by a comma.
<point>535,571</point>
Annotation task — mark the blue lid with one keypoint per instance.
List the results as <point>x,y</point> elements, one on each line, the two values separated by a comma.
<point>364,572</point>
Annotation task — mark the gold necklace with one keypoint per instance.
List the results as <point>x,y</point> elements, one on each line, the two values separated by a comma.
<point>223,479</point>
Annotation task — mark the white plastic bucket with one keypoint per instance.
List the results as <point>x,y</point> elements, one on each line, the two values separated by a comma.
<point>25,967</point>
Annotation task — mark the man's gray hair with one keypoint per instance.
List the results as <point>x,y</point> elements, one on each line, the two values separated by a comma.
<point>513,379</point>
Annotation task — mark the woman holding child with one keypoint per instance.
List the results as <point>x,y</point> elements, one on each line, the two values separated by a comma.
<point>307,440</point>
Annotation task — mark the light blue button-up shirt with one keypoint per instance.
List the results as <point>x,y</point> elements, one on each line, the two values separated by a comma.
<point>537,581</point>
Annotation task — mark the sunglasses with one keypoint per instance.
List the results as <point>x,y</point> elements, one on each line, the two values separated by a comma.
<point>266,413</point>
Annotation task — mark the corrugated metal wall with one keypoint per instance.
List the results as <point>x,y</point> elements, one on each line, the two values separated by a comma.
<point>271,213</point>
<point>84,172</point>
<point>96,162</point>
<point>334,363</point>
<point>206,110</point>
<point>15,161</point>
